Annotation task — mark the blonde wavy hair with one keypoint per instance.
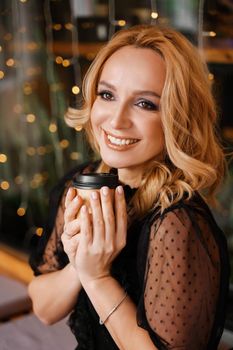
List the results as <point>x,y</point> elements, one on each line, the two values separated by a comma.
<point>194,158</point>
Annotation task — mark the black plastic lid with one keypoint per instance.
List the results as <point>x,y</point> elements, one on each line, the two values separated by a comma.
<point>96,180</point>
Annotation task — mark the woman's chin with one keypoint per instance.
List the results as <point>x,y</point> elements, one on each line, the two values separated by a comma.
<point>115,163</point>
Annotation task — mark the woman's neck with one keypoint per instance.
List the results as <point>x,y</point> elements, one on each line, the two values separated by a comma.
<point>130,177</point>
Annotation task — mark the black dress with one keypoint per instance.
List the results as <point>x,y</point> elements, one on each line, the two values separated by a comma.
<point>174,267</point>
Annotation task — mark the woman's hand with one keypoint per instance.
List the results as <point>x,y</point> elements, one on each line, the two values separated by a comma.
<point>70,236</point>
<point>102,237</point>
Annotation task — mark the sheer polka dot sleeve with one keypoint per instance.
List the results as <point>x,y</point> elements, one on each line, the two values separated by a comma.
<point>54,248</point>
<point>182,280</point>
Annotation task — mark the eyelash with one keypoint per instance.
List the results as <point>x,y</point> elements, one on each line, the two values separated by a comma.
<point>148,105</point>
<point>103,94</point>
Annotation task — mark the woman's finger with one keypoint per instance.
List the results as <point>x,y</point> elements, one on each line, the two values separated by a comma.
<point>85,226</point>
<point>97,219</point>
<point>71,193</point>
<point>108,216</point>
<point>70,246</point>
<point>72,228</point>
<point>121,216</point>
<point>72,209</point>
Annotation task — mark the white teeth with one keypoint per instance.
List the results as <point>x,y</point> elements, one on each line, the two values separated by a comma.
<point>121,142</point>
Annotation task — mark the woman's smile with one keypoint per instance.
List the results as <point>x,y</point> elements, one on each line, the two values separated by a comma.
<point>118,142</point>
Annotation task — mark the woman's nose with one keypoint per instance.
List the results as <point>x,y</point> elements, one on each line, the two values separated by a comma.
<point>120,118</point>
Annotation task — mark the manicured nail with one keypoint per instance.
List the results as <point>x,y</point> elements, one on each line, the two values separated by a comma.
<point>94,195</point>
<point>76,198</point>
<point>105,190</point>
<point>120,190</point>
<point>84,209</point>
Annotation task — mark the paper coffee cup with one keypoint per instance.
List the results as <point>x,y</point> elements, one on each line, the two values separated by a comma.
<point>87,183</point>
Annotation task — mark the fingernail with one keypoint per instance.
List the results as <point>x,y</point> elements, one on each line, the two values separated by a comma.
<point>84,208</point>
<point>76,198</point>
<point>94,195</point>
<point>105,190</point>
<point>120,190</point>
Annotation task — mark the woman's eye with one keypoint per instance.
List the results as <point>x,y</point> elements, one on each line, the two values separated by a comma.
<point>148,105</point>
<point>105,95</point>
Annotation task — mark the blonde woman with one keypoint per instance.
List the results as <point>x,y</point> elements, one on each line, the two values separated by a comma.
<point>151,270</point>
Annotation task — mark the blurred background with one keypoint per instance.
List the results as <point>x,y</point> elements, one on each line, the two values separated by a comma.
<point>46,47</point>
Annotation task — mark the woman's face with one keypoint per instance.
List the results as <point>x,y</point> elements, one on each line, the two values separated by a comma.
<point>125,116</point>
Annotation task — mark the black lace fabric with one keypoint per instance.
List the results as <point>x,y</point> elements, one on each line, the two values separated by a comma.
<point>174,267</point>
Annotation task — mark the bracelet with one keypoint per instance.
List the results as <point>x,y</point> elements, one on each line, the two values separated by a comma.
<point>113,309</point>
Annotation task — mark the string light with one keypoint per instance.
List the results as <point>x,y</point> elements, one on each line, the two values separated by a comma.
<point>121,23</point>
<point>20,54</point>
<point>66,63</point>
<point>4,185</point>
<point>30,118</point>
<point>75,90</point>
<point>64,143</point>
<point>3,158</point>
<point>21,51</point>
<point>10,62</point>
<point>39,231</point>
<point>154,12</point>
<point>154,15</point>
<point>21,211</point>
<point>52,127</point>
<point>37,180</point>
<point>27,89</point>
<point>212,34</point>
<point>69,26</point>
<point>59,60</point>
<point>57,26</point>
<point>51,77</point>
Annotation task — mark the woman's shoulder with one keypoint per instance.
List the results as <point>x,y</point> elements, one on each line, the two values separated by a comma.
<point>188,209</point>
<point>189,220</point>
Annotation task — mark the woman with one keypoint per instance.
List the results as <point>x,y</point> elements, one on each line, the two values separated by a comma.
<point>150,271</point>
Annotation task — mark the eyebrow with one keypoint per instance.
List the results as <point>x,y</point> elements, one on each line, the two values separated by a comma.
<point>138,92</point>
